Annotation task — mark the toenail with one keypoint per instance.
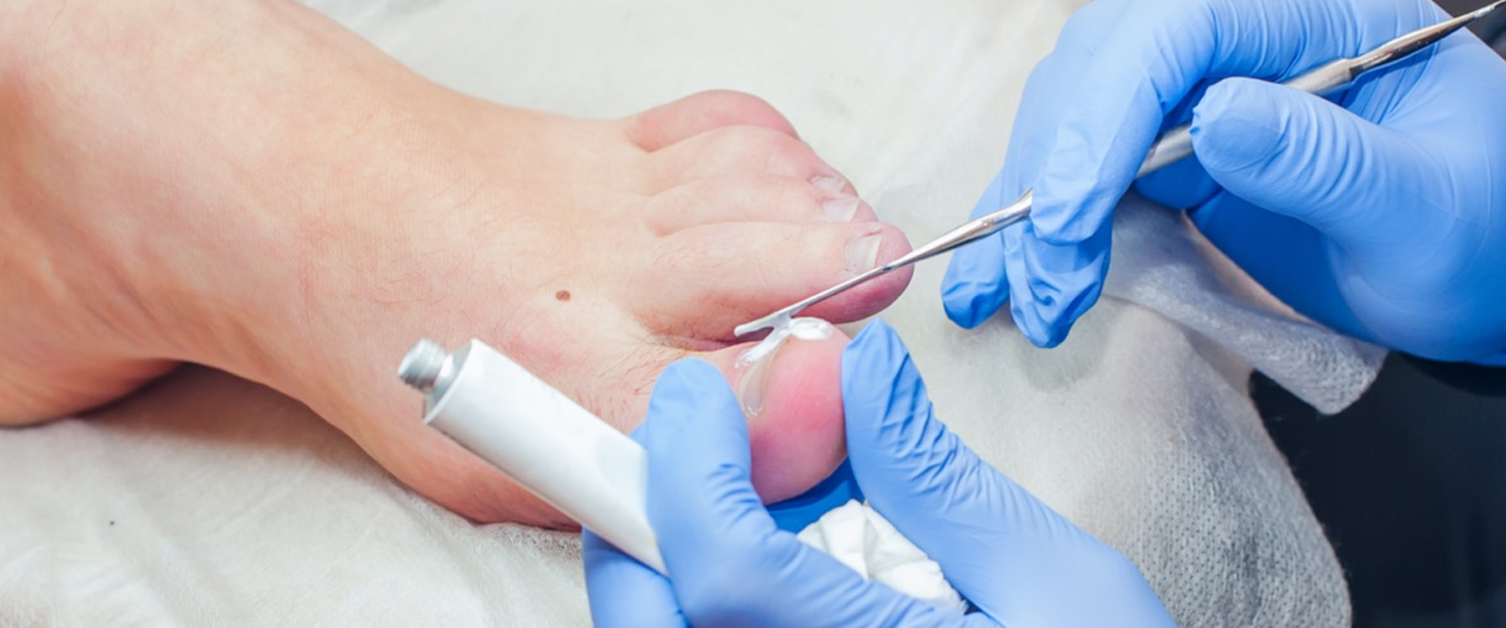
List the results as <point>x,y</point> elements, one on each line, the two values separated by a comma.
<point>840,209</point>
<point>828,183</point>
<point>756,363</point>
<point>862,253</point>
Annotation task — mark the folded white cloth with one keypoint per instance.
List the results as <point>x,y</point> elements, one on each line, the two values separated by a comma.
<point>864,540</point>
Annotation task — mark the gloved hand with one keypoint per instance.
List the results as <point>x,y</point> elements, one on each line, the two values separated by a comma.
<point>1018,561</point>
<point>1382,216</point>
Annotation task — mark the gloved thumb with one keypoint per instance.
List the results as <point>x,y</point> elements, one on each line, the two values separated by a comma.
<point>1297,154</point>
<point>698,458</point>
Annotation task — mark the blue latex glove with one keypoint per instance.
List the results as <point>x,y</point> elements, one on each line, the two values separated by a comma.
<point>1017,560</point>
<point>1383,216</point>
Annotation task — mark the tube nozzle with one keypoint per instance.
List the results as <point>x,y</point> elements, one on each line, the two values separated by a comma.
<point>422,367</point>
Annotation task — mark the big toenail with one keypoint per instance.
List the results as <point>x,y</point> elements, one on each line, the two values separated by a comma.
<point>862,253</point>
<point>840,209</point>
<point>756,362</point>
<point>828,183</point>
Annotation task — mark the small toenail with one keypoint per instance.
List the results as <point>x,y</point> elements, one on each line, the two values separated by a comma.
<point>862,253</point>
<point>828,183</point>
<point>840,209</point>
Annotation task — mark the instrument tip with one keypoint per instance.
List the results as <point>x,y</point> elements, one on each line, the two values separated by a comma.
<point>753,326</point>
<point>772,321</point>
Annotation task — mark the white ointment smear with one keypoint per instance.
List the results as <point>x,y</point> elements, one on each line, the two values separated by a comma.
<point>755,361</point>
<point>805,328</point>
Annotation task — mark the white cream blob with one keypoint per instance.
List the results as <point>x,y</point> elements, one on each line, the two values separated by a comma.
<point>754,362</point>
<point>804,328</point>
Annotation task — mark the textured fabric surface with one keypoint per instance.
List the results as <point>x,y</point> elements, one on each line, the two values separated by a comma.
<point>209,500</point>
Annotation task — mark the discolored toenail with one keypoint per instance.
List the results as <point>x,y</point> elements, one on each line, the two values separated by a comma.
<point>862,253</point>
<point>840,209</point>
<point>828,183</point>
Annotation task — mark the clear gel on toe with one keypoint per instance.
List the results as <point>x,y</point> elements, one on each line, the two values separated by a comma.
<point>755,363</point>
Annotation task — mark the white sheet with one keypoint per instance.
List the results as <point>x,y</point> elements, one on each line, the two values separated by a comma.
<point>210,500</point>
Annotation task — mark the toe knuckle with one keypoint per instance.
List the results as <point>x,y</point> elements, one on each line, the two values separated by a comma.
<point>788,155</point>
<point>738,107</point>
<point>744,143</point>
<point>732,108</point>
<point>760,150</point>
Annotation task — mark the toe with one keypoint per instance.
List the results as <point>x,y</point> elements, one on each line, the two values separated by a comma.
<point>711,278</point>
<point>744,150</point>
<point>752,198</point>
<point>698,113</point>
<point>793,402</point>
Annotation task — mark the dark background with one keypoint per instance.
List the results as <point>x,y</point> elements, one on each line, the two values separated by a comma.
<point>1410,482</point>
<point>1410,486</point>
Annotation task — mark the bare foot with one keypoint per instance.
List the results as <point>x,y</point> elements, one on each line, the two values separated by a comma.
<point>251,187</point>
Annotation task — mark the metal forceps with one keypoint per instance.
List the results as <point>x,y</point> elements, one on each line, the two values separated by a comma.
<point>1173,146</point>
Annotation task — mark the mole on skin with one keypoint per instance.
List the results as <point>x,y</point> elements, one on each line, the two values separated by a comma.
<point>563,295</point>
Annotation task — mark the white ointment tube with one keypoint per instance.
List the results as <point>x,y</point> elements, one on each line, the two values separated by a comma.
<point>550,445</point>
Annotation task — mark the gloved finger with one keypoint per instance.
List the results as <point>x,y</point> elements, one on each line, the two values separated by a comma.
<point>623,591</point>
<point>1184,184</point>
<point>1011,555</point>
<point>1299,155</point>
<point>1046,286</point>
<point>1087,164</point>
<point>976,284</point>
<point>726,559</point>
<point>1052,285</point>
<point>975,287</point>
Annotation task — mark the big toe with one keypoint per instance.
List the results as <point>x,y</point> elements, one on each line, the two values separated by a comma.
<point>793,402</point>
